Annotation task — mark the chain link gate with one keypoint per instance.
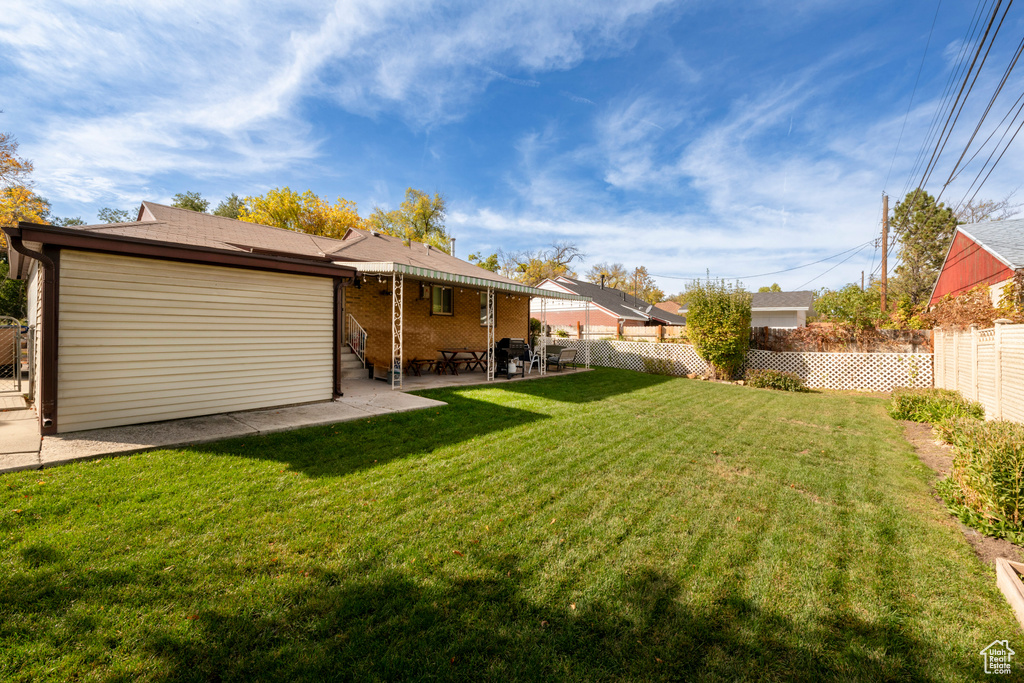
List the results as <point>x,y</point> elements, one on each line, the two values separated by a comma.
<point>10,354</point>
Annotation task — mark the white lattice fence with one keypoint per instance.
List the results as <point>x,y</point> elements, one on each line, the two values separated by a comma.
<point>673,359</point>
<point>874,371</point>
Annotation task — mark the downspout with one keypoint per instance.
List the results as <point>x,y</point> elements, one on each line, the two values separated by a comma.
<point>338,337</point>
<point>48,343</point>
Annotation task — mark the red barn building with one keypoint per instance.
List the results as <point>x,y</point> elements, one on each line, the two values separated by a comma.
<point>981,254</point>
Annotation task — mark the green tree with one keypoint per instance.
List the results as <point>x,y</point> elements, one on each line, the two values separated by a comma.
<point>231,207</point>
<point>718,324</point>
<point>615,275</point>
<point>924,230</point>
<point>108,215</point>
<point>849,306</point>
<point>12,294</point>
<point>490,263</point>
<point>193,201</point>
<point>420,218</point>
<point>77,220</point>
<point>774,288</point>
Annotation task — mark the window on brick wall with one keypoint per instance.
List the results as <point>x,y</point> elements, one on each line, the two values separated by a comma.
<point>483,309</point>
<point>441,301</point>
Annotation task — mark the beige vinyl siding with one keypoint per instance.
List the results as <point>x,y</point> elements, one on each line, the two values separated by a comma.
<point>143,340</point>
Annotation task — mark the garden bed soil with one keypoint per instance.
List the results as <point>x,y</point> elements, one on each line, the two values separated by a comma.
<point>939,457</point>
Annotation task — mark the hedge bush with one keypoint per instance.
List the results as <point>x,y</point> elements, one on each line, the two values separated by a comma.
<point>774,379</point>
<point>986,486</point>
<point>718,325</point>
<point>932,405</point>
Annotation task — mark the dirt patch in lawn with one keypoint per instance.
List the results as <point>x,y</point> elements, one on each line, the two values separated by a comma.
<point>932,452</point>
<point>939,457</point>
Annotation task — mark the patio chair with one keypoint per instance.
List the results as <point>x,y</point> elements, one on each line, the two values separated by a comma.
<point>562,358</point>
<point>531,358</point>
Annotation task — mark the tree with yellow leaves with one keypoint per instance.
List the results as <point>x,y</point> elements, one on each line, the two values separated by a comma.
<point>17,200</point>
<point>306,212</point>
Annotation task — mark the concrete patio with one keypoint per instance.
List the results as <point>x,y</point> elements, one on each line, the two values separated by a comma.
<point>22,448</point>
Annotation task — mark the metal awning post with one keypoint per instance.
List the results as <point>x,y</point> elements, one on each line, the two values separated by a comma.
<point>543,338</point>
<point>586,336</point>
<point>397,286</point>
<point>490,334</point>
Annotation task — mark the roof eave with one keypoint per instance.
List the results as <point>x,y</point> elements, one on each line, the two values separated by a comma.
<point>443,277</point>
<point>147,248</point>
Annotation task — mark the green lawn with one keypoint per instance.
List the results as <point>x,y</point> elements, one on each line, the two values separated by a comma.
<point>603,525</point>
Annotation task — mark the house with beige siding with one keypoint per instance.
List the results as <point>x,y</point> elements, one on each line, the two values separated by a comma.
<point>180,314</point>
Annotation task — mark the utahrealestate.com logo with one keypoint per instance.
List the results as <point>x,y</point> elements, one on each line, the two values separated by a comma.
<point>997,657</point>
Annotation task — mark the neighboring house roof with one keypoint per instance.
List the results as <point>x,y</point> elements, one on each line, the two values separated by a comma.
<point>1002,239</point>
<point>980,254</point>
<point>778,301</point>
<point>619,303</point>
<point>670,306</point>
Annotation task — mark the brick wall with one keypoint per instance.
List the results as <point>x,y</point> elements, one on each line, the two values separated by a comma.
<point>424,333</point>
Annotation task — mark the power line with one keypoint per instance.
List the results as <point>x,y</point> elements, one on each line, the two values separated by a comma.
<point>947,92</point>
<point>787,270</point>
<point>961,97</point>
<point>832,268</point>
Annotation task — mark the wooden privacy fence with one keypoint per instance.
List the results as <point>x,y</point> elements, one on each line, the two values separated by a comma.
<point>984,365</point>
<point>629,332</point>
<point>871,371</point>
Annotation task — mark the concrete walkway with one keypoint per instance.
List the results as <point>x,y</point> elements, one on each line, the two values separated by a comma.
<point>19,434</point>
<point>21,448</point>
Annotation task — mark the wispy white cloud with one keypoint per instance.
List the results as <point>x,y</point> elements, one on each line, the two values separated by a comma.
<point>215,89</point>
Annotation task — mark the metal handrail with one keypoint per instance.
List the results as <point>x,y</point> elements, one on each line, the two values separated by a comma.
<point>357,339</point>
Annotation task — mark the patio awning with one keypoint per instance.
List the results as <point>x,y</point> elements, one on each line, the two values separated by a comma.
<point>389,268</point>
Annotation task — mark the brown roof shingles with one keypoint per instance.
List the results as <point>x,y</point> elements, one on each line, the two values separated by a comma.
<point>182,226</point>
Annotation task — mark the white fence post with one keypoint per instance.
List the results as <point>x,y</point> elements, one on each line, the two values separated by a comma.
<point>999,366</point>
<point>956,360</point>
<point>974,362</point>
<point>938,358</point>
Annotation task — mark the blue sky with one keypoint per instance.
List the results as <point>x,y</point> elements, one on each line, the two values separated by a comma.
<point>684,137</point>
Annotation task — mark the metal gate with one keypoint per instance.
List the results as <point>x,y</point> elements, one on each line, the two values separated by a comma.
<point>10,354</point>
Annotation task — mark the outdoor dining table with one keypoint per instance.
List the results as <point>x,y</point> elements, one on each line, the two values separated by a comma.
<point>478,359</point>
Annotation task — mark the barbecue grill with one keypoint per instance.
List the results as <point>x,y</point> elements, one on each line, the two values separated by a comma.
<point>509,349</point>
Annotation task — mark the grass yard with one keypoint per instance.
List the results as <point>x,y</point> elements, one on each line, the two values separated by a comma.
<point>604,525</point>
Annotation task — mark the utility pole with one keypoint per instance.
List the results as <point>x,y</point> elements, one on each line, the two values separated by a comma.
<point>862,280</point>
<point>885,249</point>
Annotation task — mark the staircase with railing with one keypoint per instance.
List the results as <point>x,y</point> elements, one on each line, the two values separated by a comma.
<point>357,339</point>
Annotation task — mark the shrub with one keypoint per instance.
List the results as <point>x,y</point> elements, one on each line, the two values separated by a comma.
<point>985,489</point>
<point>718,325</point>
<point>562,333</point>
<point>932,405</point>
<point>849,306</point>
<point>535,326</point>
<point>774,379</point>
